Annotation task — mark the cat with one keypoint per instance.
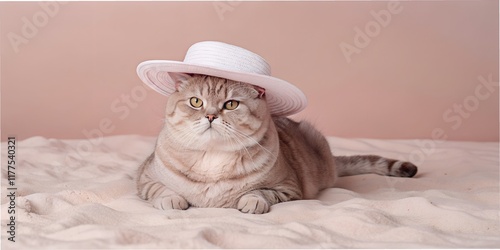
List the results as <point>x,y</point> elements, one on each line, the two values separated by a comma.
<point>221,147</point>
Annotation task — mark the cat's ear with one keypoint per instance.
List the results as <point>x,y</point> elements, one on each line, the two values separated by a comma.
<point>262,91</point>
<point>180,80</point>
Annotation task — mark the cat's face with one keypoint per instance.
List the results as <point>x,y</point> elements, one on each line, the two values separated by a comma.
<point>215,113</point>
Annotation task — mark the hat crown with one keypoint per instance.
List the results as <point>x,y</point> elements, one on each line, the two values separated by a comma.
<point>226,57</point>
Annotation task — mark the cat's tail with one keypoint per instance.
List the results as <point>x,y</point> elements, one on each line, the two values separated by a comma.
<point>373,164</point>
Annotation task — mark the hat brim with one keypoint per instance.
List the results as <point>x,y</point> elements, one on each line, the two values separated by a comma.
<point>283,98</point>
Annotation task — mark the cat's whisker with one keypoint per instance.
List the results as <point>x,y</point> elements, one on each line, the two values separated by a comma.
<point>248,152</point>
<point>228,136</point>
<point>237,135</point>
<point>183,135</point>
<point>245,136</point>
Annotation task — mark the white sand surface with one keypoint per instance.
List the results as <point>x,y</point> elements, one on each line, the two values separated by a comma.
<point>71,198</point>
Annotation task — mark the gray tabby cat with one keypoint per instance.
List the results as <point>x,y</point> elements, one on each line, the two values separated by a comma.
<point>220,147</point>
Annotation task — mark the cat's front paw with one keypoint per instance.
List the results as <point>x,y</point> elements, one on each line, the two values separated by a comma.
<point>253,204</point>
<point>170,202</point>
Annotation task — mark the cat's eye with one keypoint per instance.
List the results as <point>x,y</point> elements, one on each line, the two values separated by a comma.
<point>232,104</point>
<point>195,102</point>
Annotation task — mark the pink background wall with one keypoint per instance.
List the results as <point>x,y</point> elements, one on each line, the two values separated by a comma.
<point>68,70</point>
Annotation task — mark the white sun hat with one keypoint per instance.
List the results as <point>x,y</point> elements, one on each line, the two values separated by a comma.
<point>230,62</point>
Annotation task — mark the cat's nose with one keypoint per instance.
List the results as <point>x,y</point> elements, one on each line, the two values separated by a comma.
<point>211,118</point>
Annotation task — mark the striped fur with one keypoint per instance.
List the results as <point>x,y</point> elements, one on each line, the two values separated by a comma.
<point>242,158</point>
